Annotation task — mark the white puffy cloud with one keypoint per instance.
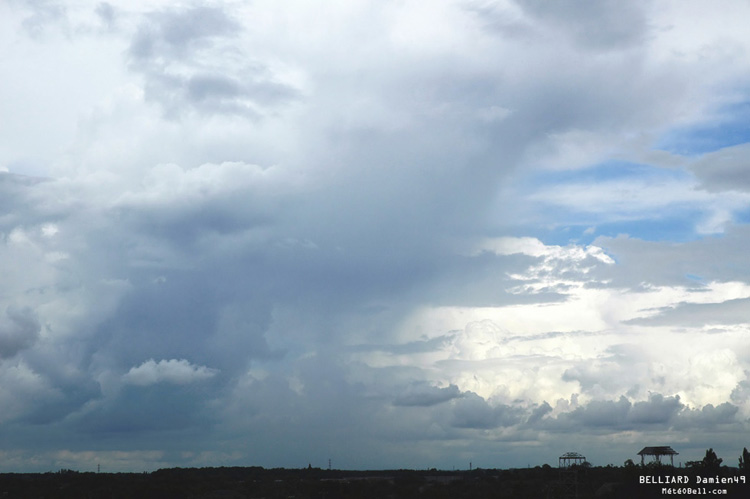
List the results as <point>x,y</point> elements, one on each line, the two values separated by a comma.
<point>170,371</point>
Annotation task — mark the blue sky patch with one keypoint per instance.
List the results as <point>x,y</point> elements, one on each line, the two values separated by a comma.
<point>731,128</point>
<point>603,172</point>
<point>582,224</point>
<point>679,228</point>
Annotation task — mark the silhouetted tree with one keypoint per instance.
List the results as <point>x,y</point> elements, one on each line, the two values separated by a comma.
<point>745,460</point>
<point>711,461</point>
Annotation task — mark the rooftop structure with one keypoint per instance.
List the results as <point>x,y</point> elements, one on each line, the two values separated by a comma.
<point>657,453</point>
<point>569,459</point>
<point>568,464</point>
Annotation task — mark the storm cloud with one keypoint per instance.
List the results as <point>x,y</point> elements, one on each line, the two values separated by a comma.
<point>388,234</point>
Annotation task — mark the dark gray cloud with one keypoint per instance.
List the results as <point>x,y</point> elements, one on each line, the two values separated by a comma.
<point>597,414</point>
<point>538,413</point>
<point>173,50</point>
<point>186,314</point>
<point>724,170</point>
<point>13,196</point>
<point>202,87</point>
<point>424,346</point>
<point>107,13</point>
<point>474,412</point>
<point>729,312</point>
<point>71,392</point>
<point>424,395</point>
<point>673,263</point>
<point>709,416</point>
<point>599,25</point>
<point>179,33</point>
<point>19,329</point>
<point>741,392</point>
<point>152,408</point>
<point>658,412</point>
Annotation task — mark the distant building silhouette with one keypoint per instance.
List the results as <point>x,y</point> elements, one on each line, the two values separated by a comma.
<point>657,453</point>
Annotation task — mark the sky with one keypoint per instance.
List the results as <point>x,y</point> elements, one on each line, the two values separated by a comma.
<point>392,234</point>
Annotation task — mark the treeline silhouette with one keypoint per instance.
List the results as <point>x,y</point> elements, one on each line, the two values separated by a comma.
<point>583,481</point>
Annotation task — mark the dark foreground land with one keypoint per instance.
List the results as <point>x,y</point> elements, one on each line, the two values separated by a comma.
<point>256,483</point>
